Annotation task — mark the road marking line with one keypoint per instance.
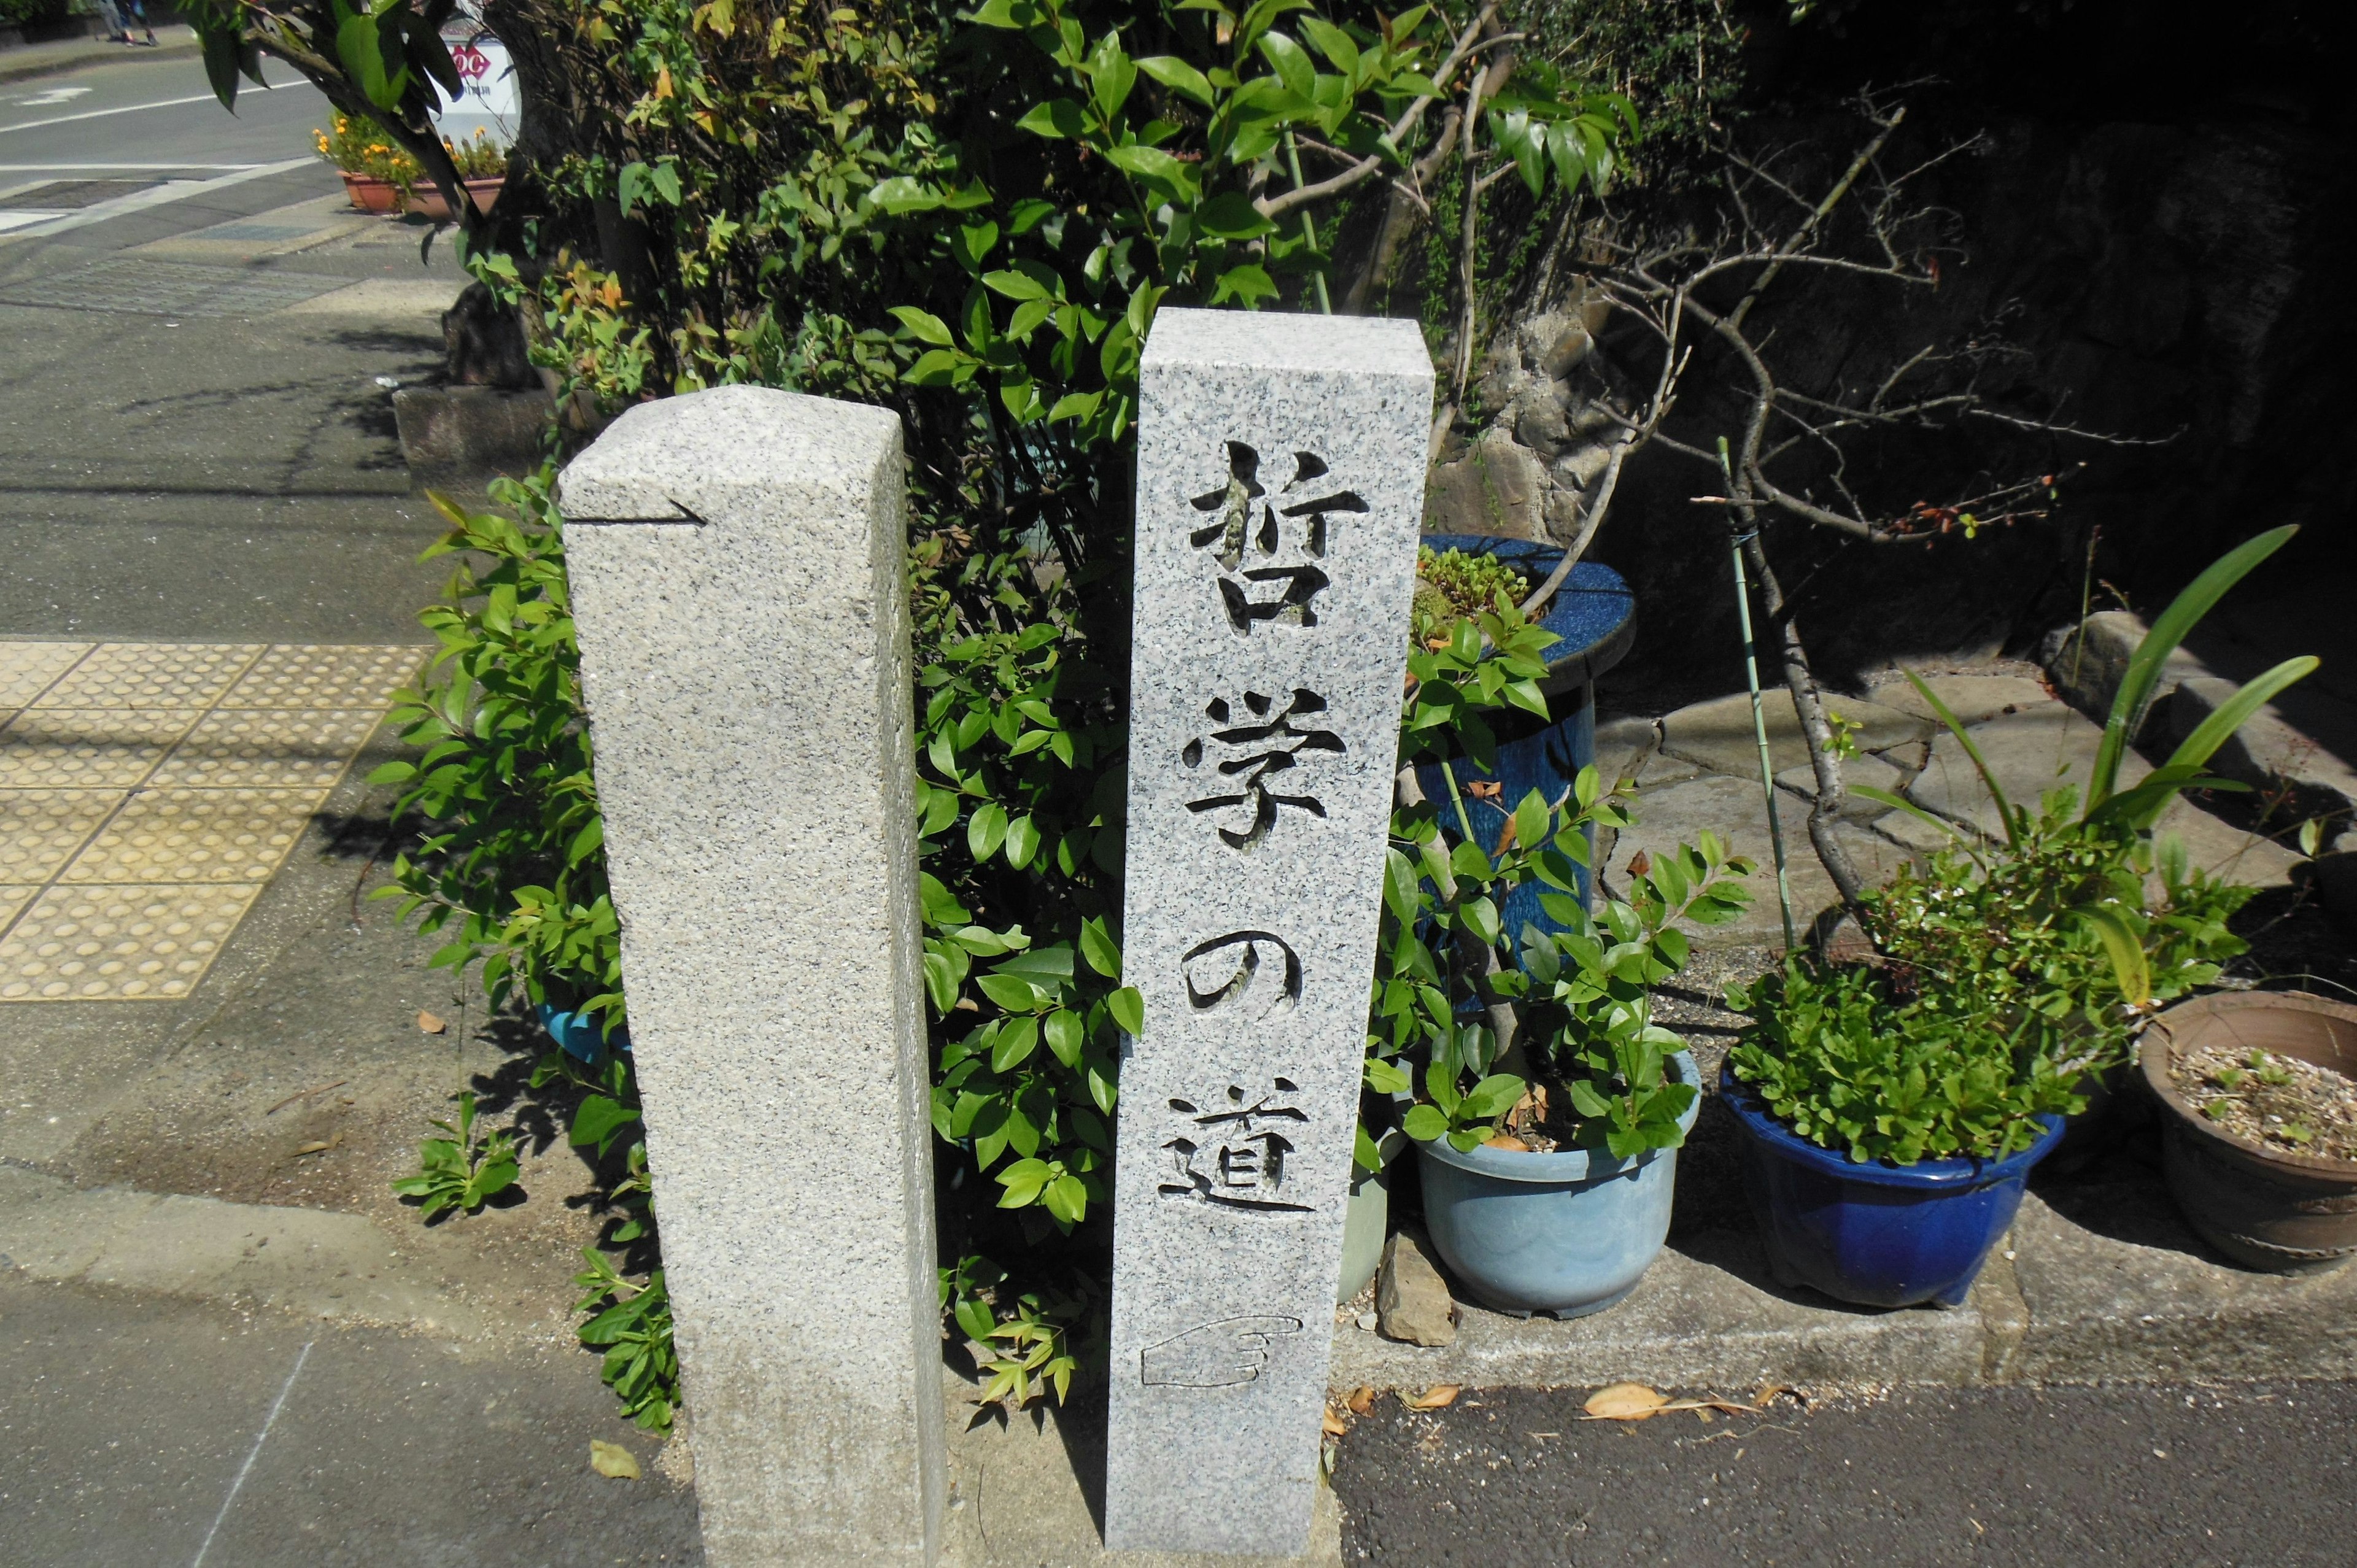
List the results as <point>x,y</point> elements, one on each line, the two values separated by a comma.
<point>125,108</point>
<point>174,190</point>
<point>256,1453</point>
<point>47,168</point>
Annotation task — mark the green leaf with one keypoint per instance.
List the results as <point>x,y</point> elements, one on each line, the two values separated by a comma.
<point>1424,1124</point>
<point>923,324</point>
<point>2145,666</point>
<point>1099,949</point>
<point>1231,215</point>
<point>2213,732</point>
<point>1150,163</point>
<point>1022,838</point>
<point>2124,949</point>
<point>985,830</point>
<point>1291,62</point>
<point>1494,1096</point>
<point>596,1121</point>
<point>1059,119</point>
<point>1980,763</point>
<point>1065,1036</point>
<point>1250,283</point>
<point>1017,1039</point>
<point>1386,1077</point>
<point>1128,1010</point>
<point>1179,77</point>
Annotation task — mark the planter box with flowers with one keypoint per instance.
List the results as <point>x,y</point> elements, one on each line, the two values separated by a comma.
<point>382,177</point>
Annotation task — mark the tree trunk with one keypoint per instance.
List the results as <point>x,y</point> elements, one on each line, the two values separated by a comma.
<point>1802,682</point>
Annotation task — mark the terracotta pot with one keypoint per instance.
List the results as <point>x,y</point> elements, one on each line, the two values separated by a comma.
<point>427,200</point>
<point>2267,1208</point>
<point>370,194</point>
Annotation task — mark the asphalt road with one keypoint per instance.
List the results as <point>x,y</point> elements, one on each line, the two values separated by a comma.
<point>184,452</point>
<point>165,1432</point>
<point>137,114</point>
<point>2060,1477</point>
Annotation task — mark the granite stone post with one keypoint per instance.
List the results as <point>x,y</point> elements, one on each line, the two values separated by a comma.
<point>735,559</point>
<point>1280,484</point>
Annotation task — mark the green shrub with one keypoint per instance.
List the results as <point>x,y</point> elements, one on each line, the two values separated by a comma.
<point>513,863</point>
<point>1839,1058</point>
<point>1570,1011</point>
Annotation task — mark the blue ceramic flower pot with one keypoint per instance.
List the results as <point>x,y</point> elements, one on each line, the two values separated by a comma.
<point>582,1037</point>
<point>1567,1233</point>
<point>1593,614</point>
<point>1875,1234</point>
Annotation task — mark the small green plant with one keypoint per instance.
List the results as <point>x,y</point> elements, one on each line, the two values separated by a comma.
<point>461,1171</point>
<point>1841,1059</point>
<point>633,1327</point>
<point>1451,585</point>
<point>1841,737</point>
<point>1508,1024</point>
<point>513,862</point>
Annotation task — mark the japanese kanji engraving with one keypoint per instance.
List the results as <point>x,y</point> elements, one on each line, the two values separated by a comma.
<point>1226,971</point>
<point>1253,776</point>
<point>1287,538</point>
<point>1233,1154</point>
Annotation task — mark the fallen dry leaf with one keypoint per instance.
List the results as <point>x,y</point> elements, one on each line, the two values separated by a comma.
<point>1624,1401</point>
<point>612,1461</point>
<point>1485,789</point>
<point>429,1023</point>
<point>1333,1424</point>
<point>1507,1140</point>
<point>1768,1393</point>
<point>1362,1400</point>
<point>320,1147</point>
<point>1435,1397</point>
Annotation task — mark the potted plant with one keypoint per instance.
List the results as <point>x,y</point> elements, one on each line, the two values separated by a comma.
<point>2259,1123</point>
<point>379,176</point>
<point>1552,1104</point>
<point>1893,1109</point>
<point>482,166</point>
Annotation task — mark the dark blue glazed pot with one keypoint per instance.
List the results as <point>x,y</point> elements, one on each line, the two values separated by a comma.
<point>582,1037</point>
<point>1875,1234</point>
<point>1567,1233</point>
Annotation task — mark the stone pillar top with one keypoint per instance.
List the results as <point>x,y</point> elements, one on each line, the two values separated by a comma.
<point>1264,341</point>
<point>653,463</point>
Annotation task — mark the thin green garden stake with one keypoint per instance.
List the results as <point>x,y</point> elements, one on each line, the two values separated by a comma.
<point>1309,224</point>
<point>1739,537</point>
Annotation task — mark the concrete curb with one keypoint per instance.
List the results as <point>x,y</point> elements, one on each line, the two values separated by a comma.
<point>314,1263</point>
<point>2109,1286</point>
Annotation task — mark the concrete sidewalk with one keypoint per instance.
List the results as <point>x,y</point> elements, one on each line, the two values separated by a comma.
<point>23,61</point>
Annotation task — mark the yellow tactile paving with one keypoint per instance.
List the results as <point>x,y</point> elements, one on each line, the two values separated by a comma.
<point>259,749</point>
<point>151,675</point>
<point>27,668</point>
<point>86,749</point>
<point>328,676</point>
<point>149,790</point>
<point>41,829</point>
<point>88,944</point>
<point>196,835</point>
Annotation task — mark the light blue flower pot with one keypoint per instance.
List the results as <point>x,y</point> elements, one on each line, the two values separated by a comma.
<point>1567,1233</point>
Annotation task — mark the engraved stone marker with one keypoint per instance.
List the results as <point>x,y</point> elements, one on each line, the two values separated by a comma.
<point>737,567</point>
<point>1280,484</point>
